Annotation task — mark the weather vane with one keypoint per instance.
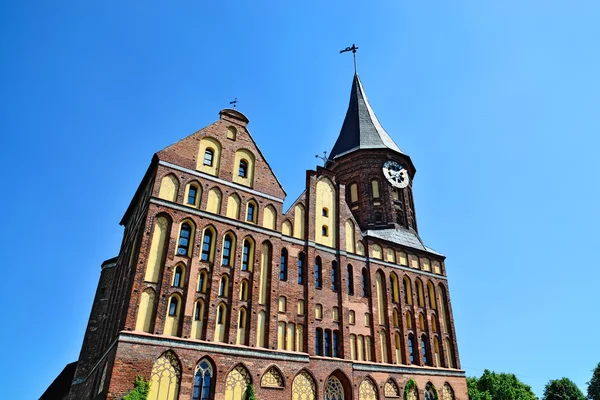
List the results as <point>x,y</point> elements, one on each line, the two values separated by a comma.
<point>234,102</point>
<point>324,158</point>
<point>353,50</point>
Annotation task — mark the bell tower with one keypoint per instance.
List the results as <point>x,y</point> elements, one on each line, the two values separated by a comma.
<point>377,174</point>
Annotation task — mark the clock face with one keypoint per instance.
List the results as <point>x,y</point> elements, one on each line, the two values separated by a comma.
<point>396,174</point>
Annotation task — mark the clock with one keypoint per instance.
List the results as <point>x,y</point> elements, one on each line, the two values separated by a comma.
<point>396,174</point>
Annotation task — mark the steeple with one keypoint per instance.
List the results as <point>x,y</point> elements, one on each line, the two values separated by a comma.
<point>361,128</point>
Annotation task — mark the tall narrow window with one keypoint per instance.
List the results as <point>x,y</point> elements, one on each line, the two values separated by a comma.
<point>365,282</point>
<point>283,265</point>
<point>221,314</point>
<point>301,268</point>
<point>327,343</point>
<point>206,245</point>
<point>350,280</point>
<point>223,286</point>
<point>319,341</point>
<point>424,349</point>
<point>177,277</point>
<point>318,311</point>
<point>411,348</point>
<point>243,169</point>
<point>202,282</point>
<point>184,239</point>
<point>173,307</point>
<point>407,291</point>
<point>244,290</point>
<point>227,243</point>
<point>334,278</point>
<point>192,194</point>
<point>250,212</point>
<point>318,278</point>
<point>375,189</point>
<point>336,344</point>
<point>208,157</point>
<point>246,255</point>
<point>202,381</point>
<point>351,317</point>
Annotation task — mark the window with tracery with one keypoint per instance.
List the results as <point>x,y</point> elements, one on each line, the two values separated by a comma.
<point>165,378</point>
<point>391,389</point>
<point>303,387</point>
<point>429,392</point>
<point>202,381</point>
<point>236,383</point>
<point>367,390</point>
<point>184,239</point>
<point>272,378</point>
<point>447,392</point>
<point>334,389</point>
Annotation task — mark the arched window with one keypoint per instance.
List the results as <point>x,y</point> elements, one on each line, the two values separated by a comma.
<point>243,168</point>
<point>375,188</point>
<point>447,392</point>
<point>301,268</point>
<point>173,306</point>
<point>334,278</point>
<point>207,245</point>
<point>430,392</point>
<point>227,247</point>
<point>334,390</point>
<point>421,321</point>
<point>397,349</point>
<point>224,286</point>
<point>411,348</point>
<point>318,311</point>
<point>335,314</point>
<point>391,389</point>
<point>436,352</point>
<point>165,377</point>
<point>247,255</point>
<point>395,289</point>
<point>300,307</point>
<point>221,314</point>
<point>251,212</point>
<point>367,390</point>
<point>336,344</point>
<point>244,290</point>
<point>395,319</point>
<point>241,333</point>
<point>351,317</point>
<point>184,239</point>
<point>353,193</point>
<point>202,282</point>
<point>283,265</point>
<point>425,350</point>
<point>208,157</point>
<point>350,280</point>
<point>318,278</point>
<point>365,282</point>
<point>202,381</point>
<point>199,311</point>
<point>420,299</point>
<point>408,320</point>
<point>431,293</point>
<point>178,276</point>
<point>261,339</point>
<point>407,291</point>
<point>324,230</point>
<point>449,350</point>
<point>192,196</point>
<point>282,304</point>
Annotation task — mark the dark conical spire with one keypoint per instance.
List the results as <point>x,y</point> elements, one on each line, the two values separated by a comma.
<point>361,128</point>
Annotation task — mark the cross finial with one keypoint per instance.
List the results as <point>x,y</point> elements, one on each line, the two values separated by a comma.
<point>234,102</point>
<point>353,50</point>
<point>324,158</point>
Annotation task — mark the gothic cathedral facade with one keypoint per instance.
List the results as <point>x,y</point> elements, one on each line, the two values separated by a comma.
<point>218,291</point>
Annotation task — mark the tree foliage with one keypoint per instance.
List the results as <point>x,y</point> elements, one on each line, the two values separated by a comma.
<point>593,390</point>
<point>562,389</point>
<point>498,386</point>
<point>250,392</point>
<point>141,388</point>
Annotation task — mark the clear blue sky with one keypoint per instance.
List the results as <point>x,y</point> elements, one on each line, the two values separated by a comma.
<point>495,101</point>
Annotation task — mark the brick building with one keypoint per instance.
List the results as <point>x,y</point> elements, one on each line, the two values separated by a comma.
<point>216,286</point>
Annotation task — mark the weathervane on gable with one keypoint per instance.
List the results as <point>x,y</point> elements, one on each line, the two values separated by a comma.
<point>324,158</point>
<point>353,50</point>
<point>234,102</point>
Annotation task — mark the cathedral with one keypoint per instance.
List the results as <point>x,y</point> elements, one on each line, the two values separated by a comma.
<point>218,291</point>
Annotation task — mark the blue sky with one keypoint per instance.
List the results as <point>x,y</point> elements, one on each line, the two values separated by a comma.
<point>496,102</point>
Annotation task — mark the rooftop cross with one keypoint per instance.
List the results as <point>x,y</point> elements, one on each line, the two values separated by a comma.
<point>353,50</point>
<point>234,102</point>
<point>324,158</point>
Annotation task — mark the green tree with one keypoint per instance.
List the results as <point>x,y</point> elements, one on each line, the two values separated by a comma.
<point>562,389</point>
<point>593,390</point>
<point>250,392</point>
<point>498,386</point>
<point>141,388</point>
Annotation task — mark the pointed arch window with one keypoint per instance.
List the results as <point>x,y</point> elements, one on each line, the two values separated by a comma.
<point>202,381</point>
<point>173,306</point>
<point>425,350</point>
<point>243,169</point>
<point>411,348</point>
<point>178,276</point>
<point>430,392</point>
<point>223,286</point>
<point>246,255</point>
<point>283,265</point>
<point>192,195</point>
<point>350,271</point>
<point>365,282</point>
<point>301,268</point>
<point>184,239</point>
<point>244,290</point>
<point>334,276</point>
<point>221,314</point>
<point>202,280</point>
<point>206,245</point>
<point>250,211</point>
<point>208,157</point>
<point>318,278</point>
<point>407,291</point>
<point>227,245</point>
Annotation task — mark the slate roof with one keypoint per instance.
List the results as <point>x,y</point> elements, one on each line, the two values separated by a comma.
<point>401,236</point>
<point>361,128</point>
